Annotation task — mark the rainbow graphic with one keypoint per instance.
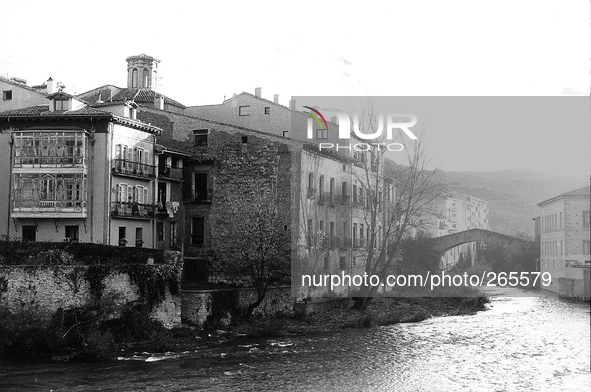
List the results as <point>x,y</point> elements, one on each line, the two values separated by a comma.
<point>316,118</point>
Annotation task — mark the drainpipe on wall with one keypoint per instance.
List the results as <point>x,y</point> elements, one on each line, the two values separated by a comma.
<point>11,142</point>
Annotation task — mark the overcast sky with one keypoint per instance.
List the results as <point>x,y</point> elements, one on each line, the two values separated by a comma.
<point>421,48</point>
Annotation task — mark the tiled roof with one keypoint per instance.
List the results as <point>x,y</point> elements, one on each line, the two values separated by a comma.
<point>584,191</point>
<point>43,110</point>
<point>144,95</point>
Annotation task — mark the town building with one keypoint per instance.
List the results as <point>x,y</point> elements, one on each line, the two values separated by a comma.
<point>255,112</point>
<point>565,242</point>
<point>457,212</point>
<point>78,173</point>
<point>16,94</point>
<point>132,167</point>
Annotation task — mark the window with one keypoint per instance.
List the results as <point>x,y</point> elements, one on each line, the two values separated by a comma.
<point>285,133</point>
<point>310,233</point>
<point>201,189</point>
<point>361,234</point>
<point>243,110</point>
<point>322,134</point>
<point>321,187</point>
<point>267,110</point>
<point>311,189</point>
<point>344,196</point>
<point>331,190</point>
<point>197,231</point>
<point>134,78</point>
<point>355,245</point>
<point>60,105</point>
<point>71,233</point>
<point>146,78</point>
<point>200,137</point>
<point>355,193</point>
<point>244,139</point>
<point>160,231</point>
<point>6,95</point>
<point>138,237</point>
<point>172,241</point>
<point>586,218</point>
<point>586,250</point>
<point>326,264</point>
<point>29,233</point>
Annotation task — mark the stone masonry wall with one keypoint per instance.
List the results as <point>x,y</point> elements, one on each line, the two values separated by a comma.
<point>45,289</point>
<point>197,305</point>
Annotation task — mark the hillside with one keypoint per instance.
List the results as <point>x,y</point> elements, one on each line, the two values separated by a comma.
<point>513,195</point>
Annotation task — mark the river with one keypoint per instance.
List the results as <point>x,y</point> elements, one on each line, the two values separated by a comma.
<point>535,343</point>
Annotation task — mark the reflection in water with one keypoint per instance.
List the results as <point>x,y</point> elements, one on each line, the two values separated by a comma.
<point>520,344</point>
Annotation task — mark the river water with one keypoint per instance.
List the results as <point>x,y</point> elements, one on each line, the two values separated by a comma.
<point>520,344</point>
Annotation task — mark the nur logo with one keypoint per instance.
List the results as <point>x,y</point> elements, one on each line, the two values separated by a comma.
<point>392,122</point>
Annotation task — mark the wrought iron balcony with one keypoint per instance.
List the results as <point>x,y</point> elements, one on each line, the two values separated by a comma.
<point>31,207</point>
<point>132,168</point>
<point>132,210</point>
<point>171,172</point>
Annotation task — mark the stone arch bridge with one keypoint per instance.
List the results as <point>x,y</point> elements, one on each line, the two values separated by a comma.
<point>446,242</point>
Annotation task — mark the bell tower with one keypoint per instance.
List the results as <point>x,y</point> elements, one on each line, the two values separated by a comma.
<point>142,72</point>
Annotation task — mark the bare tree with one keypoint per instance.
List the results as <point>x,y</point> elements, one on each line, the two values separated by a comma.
<point>252,241</point>
<point>393,201</point>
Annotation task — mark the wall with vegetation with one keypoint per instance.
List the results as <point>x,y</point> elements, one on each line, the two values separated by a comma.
<point>46,278</point>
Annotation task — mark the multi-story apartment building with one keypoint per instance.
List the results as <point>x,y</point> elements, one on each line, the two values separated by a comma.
<point>78,173</point>
<point>336,199</point>
<point>461,212</point>
<point>565,243</point>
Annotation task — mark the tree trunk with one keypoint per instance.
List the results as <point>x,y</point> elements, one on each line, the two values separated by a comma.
<point>361,303</point>
<point>253,306</point>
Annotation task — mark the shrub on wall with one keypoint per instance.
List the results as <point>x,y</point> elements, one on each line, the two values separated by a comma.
<point>52,253</point>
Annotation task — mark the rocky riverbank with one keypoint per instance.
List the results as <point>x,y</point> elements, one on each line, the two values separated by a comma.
<point>381,311</point>
<point>132,337</point>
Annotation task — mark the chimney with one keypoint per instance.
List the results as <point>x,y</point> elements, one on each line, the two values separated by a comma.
<point>257,92</point>
<point>51,86</point>
<point>333,119</point>
<point>159,102</point>
<point>292,104</point>
<point>276,99</point>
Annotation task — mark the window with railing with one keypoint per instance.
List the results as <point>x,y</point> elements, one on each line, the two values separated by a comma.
<point>132,201</point>
<point>39,190</point>
<point>133,161</point>
<point>50,148</point>
<point>170,168</point>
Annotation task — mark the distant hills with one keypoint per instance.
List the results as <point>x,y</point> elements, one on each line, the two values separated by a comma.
<point>512,195</point>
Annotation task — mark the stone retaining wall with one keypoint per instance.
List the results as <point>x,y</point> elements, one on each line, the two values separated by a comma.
<point>45,289</point>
